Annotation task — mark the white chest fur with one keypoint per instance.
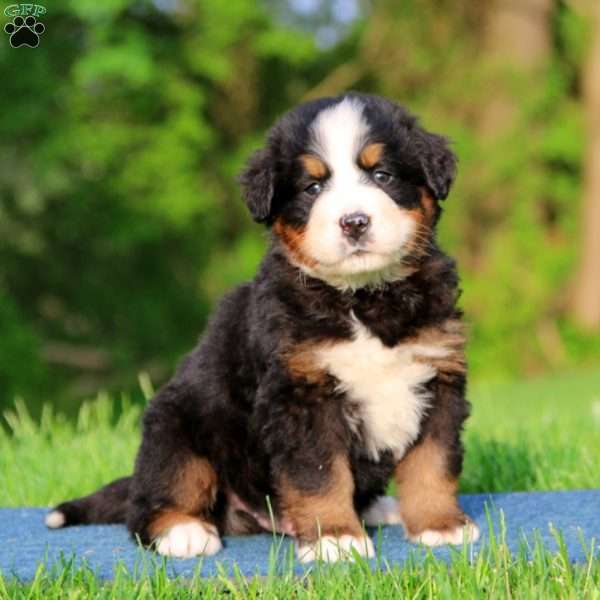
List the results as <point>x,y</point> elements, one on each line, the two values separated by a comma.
<point>387,385</point>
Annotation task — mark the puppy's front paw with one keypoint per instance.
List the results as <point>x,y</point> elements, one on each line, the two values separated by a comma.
<point>331,549</point>
<point>189,539</point>
<point>455,535</point>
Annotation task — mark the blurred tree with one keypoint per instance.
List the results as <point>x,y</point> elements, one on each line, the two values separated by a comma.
<point>517,51</point>
<point>501,78</point>
<point>517,37</point>
<point>119,143</point>
<point>120,219</point>
<point>586,296</point>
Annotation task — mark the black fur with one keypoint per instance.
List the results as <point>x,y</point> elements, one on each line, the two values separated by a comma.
<point>108,505</point>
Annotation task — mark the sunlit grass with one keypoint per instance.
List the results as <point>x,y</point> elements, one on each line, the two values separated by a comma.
<point>536,435</point>
<point>493,573</point>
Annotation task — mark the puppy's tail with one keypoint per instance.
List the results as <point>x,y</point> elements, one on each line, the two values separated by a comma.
<point>107,505</point>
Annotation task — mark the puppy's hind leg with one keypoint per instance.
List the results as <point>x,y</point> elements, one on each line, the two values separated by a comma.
<point>174,487</point>
<point>185,527</point>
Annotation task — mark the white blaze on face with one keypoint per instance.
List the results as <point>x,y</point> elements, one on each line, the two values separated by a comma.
<point>339,134</point>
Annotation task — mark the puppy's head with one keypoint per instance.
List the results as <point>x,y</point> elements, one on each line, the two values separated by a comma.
<point>351,188</point>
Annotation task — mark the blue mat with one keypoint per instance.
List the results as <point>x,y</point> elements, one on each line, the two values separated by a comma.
<point>25,542</point>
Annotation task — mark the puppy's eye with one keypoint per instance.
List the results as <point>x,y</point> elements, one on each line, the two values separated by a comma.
<point>314,189</point>
<point>382,176</point>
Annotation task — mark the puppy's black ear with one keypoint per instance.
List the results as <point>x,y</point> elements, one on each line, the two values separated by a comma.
<point>258,185</point>
<point>437,161</point>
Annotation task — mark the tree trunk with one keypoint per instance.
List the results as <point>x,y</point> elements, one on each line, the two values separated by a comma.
<point>586,293</point>
<point>518,31</point>
<point>516,46</point>
<point>517,36</point>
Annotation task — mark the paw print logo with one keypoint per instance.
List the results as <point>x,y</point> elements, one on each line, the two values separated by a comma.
<point>24,32</point>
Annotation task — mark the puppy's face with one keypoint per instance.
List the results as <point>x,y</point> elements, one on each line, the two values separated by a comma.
<point>350,186</point>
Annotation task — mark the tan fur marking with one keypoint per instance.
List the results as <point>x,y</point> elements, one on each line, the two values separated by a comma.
<point>302,363</point>
<point>427,493</point>
<point>195,486</point>
<point>193,492</point>
<point>314,166</point>
<point>168,519</point>
<point>448,336</point>
<point>370,155</point>
<point>329,512</point>
<point>293,240</point>
<point>417,245</point>
<point>429,206</point>
<point>423,216</point>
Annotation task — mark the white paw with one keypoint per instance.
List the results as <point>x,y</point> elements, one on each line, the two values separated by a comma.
<point>383,511</point>
<point>331,549</point>
<point>189,539</point>
<point>457,535</point>
<point>55,519</point>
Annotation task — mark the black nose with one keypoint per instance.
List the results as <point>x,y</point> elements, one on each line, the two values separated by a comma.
<point>355,225</point>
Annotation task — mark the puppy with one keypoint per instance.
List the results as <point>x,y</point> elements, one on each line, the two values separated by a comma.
<point>339,366</point>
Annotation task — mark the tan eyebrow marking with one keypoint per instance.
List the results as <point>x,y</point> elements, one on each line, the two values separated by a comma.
<point>314,166</point>
<point>370,155</point>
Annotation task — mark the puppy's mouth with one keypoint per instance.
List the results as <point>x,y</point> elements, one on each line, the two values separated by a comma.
<point>362,268</point>
<point>360,252</point>
<point>347,264</point>
<point>369,250</point>
<point>371,259</point>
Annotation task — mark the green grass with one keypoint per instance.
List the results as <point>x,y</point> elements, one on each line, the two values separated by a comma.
<point>536,435</point>
<point>493,574</point>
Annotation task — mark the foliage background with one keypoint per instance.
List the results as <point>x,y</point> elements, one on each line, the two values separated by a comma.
<point>122,133</point>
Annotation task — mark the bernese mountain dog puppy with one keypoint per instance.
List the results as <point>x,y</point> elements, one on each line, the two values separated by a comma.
<point>340,366</point>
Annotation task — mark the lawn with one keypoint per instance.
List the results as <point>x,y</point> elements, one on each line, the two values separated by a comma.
<point>537,435</point>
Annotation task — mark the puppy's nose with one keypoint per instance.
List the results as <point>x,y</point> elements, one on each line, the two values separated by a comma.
<point>355,225</point>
